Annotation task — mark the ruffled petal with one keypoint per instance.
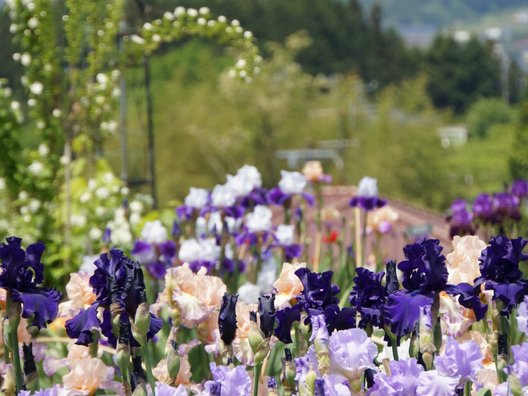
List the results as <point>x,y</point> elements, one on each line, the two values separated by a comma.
<point>41,304</point>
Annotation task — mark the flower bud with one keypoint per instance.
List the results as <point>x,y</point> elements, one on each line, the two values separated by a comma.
<point>427,358</point>
<point>227,323</point>
<point>310,381</point>
<point>259,345</point>
<point>122,358</point>
<point>266,310</point>
<point>369,377</point>
<point>173,361</point>
<point>426,332</point>
<point>319,388</point>
<point>272,387</point>
<point>30,368</point>
<point>140,390</point>
<point>141,324</point>
<point>288,372</point>
<point>9,385</point>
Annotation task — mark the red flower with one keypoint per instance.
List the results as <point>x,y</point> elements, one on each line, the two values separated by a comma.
<point>332,238</point>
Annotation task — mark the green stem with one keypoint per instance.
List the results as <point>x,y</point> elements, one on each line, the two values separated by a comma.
<point>148,365</point>
<point>13,336</point>
<point>394,346</point>
<point>13,314</point>
<point>364,237</point>
<point>256,378</point>
<point>467,388</point>
<point>94,346</point>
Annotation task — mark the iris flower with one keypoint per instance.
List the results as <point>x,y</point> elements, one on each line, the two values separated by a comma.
<point>117,280</point>
<point>21,273</point>
<point>499,266</point>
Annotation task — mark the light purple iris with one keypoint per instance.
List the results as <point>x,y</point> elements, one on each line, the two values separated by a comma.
<point>167,390</point>
<point>402,381</point>
<point>462,360</point>
<point>435,383</point>
<point>522,316</point>
<point>319,329</point>
<point>351,352</point>
<point>228,381</point>
<point>520,367</point>
<point>54,391</point>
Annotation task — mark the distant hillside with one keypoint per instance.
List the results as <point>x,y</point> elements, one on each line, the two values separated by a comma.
<point>438,12</point>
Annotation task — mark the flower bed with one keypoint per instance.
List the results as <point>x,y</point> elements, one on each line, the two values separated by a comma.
<point>229,303</point>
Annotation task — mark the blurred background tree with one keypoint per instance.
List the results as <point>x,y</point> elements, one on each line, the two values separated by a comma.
<point>357,81</point>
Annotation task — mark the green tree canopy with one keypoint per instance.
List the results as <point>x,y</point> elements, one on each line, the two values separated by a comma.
<point>460,73</point>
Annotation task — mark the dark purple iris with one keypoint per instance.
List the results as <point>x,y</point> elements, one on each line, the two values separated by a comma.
<point>20,274</point>
<point>368,296</point>
<point>460,220</point>
<point>469,297</point>
<point>117,280</point>
<point>86,322</point>
<point>424,271</point>
<point>318,290</point>
<point>499,268</point>
<point>519,188</point>
<point>403,311</point>
<point>285,318</point>
<point>483,208</point>
<point>506,206</point>
<point>335,317</point>
<point>368,203</point>
<point>259,196</point>
<point>292,251</point>
<point>277,197</point>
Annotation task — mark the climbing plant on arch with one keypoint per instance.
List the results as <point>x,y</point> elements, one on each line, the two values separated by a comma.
<point>59,189</point>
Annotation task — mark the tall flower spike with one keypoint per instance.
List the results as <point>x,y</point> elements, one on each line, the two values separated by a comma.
<point>20,274</point>
<point>227,323</point>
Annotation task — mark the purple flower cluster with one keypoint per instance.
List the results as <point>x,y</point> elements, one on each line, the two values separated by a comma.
<point>498,209</point>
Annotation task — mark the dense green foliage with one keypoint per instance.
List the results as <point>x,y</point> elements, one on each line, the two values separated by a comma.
<point>485,113</point>
<point>460,73</point>
<point>519,149</point>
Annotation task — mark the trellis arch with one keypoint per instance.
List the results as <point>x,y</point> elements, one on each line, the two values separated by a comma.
<point>183,23</point>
